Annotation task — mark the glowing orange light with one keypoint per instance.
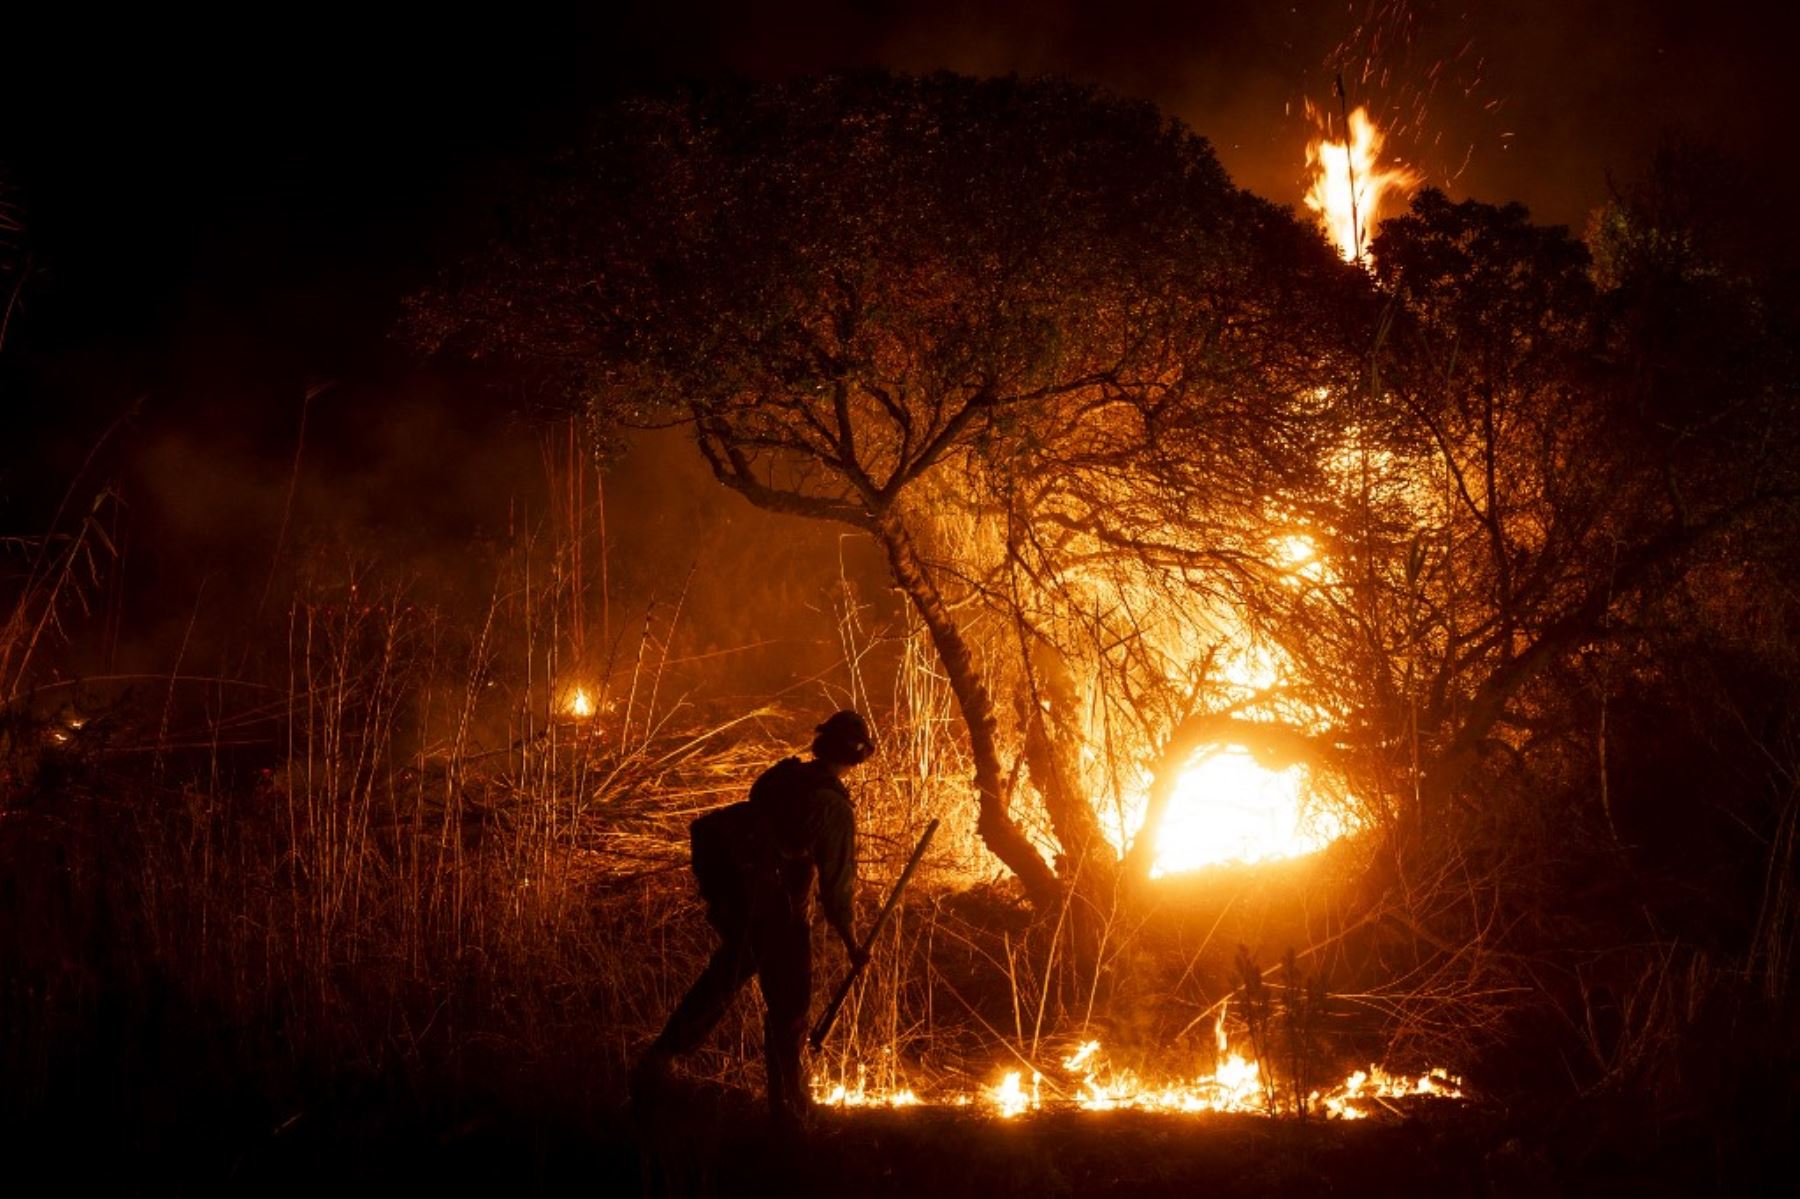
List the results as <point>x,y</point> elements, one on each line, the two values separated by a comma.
<point>1230,808</point>
<point>1011,1099</point>
<point>1350,185</point>
<point>1236,1084</point>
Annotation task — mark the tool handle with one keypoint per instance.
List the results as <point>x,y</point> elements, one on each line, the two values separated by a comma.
<point>829,1016</point>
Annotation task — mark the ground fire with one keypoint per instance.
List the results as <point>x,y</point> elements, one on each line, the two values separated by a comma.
<point>1084,1080</point>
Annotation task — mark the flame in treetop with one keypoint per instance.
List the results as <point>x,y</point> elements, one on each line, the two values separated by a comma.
<point>1351,186</point>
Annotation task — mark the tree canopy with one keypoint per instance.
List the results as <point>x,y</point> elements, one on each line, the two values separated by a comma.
<point>853,289</point>
<point>1155,470</point>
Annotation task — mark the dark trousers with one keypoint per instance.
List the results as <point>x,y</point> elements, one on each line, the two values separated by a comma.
<point>766,937</point>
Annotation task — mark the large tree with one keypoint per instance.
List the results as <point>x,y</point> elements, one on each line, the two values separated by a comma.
<point>1532,404</point>
<point>887,301</point>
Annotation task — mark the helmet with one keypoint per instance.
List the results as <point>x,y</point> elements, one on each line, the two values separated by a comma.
<point>844,739</point>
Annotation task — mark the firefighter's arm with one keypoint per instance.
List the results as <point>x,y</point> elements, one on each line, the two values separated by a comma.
<point>837,873</point>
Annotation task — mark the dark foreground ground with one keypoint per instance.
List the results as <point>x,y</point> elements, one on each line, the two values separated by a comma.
<point>702,1140</point>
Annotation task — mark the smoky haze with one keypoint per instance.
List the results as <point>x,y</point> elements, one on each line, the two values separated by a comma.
<point>418,497</point>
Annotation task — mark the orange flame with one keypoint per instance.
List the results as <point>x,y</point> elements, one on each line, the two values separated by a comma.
<point>1236,1084</point>
<point>1349,184</point>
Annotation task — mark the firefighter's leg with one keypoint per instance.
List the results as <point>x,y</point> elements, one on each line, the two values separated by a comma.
<point>784,969</point>
<point>701,1009</point>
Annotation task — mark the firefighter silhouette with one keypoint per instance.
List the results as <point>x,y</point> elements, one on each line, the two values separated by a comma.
<point>755,863</point>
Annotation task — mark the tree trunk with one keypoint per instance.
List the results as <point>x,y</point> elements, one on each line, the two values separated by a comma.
<point>995,824</point>
<point>1053,755</point>
<point>1086,867</point>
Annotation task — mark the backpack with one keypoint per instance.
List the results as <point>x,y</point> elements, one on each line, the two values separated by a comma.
<point>727,844</point>
<point>742,845</point>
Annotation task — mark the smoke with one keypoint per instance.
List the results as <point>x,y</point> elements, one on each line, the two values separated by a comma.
<point>437,493</point>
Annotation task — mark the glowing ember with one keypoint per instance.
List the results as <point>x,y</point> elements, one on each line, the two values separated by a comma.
<point>1349,184</point>
<point>579,704</point>
<point>1230,808</point>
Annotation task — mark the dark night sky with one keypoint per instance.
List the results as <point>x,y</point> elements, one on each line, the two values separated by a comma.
<point>224,213</point>
<point>282,179</point>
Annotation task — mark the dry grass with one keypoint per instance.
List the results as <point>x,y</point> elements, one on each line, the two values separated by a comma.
<point>394,877</point>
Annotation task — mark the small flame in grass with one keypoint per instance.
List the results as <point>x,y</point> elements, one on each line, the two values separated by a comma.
<point>1011,1099</point>
<point>1349,1100</point>
<point>1350,185</point>
<point>1081,1056</point>
<point>1235,1085</point>
<point>579,704</point>
<point>843,1094</point>
<point>73,722</point>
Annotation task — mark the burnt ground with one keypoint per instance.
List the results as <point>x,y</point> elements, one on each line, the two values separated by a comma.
<point>947,1152</point>
<point>703,1140</point>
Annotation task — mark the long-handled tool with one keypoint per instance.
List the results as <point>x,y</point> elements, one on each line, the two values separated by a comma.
<point>829,1016</point>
